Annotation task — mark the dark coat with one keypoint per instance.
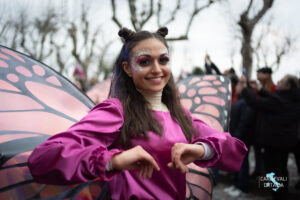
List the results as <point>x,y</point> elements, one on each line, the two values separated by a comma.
<point>242,119</point>
<point>209,68</point>
<point>279,116</point>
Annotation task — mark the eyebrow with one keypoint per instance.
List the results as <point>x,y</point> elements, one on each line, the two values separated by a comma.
<point>141,53</point>
<point>149,56</point>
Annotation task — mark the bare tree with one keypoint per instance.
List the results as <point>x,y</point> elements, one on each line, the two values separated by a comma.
<point>89,47</point>
<point>102,66</point>
<point>247,25</point>
<point>5,25</point>
<point>35,35</point>
<point>154,10</point>
<point>84,40</point>
<point>30,34</point>
<point>271,53</point>
<point>282,50</point>
<point>61,54</point>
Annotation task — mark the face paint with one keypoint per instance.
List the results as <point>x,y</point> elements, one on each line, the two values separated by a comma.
<point>140,53</point>
<point>135,66</point>
<point>164,51</point>
<point>138,68</point>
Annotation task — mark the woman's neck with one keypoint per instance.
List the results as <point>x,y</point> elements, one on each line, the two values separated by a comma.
<point>154,99</point>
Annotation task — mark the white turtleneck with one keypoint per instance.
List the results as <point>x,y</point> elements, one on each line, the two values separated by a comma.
<point>154,99</point>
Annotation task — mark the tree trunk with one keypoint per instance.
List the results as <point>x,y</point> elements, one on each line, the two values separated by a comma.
<point>246,52</point>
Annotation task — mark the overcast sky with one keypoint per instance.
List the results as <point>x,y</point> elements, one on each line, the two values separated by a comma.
<point>212,31</point>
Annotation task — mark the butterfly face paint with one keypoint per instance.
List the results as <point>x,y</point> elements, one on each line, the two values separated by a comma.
<point>143,58</point>
<point>136,60</point>
<point>148,66</point>
<point>164,51</point>
<point>165,56</point>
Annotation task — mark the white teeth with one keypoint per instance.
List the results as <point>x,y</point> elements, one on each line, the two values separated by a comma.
<point>156,79</point>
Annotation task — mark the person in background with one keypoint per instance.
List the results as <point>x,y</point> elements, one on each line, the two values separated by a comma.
<point>279,125</point>
<point>210,67</point>
<point>93,81</point>
<point>79,78</point>
<point>264,77</point>
<point>296,152</point>
<point>230,73</point>
<point>141,139</point>
<point>242,119</point>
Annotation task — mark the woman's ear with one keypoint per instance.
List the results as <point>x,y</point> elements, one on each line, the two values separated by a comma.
<point>126,67</point>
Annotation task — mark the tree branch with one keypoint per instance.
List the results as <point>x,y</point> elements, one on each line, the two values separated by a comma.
<point>267,5</point>
<point>195,12</point>
<point>173,14</point>
<point>114,17</point>
<point>249,7</point>
<point>150,13</point>
<point>101,60</point>
<point>159,6</point>
<point>133,17</point>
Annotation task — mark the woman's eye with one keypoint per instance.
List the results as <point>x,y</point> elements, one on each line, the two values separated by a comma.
<point>144,62</point>
<point>164,60</point>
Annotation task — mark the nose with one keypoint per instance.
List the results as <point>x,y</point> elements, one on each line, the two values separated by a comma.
<point>156,67</point>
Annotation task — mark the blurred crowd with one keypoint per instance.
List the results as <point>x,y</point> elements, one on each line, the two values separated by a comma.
<point>265,116</point>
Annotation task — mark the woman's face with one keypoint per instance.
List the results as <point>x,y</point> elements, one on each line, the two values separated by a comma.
<point>148,65</point>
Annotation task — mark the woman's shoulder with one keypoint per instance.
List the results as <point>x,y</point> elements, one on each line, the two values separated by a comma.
<point>110,105</point>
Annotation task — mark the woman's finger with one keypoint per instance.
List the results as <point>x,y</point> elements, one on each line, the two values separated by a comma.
<point>173,156</point>
<point>178,150</point>
<point>180,165</point>
<point>151,160</point>
<point>170,164</point>
<point>142,171</point>
<point>145,171</point>
<point>150,171</point>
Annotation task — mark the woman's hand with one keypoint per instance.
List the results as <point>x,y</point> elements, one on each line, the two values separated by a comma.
<point>183,154</point>
<point>135,158</point>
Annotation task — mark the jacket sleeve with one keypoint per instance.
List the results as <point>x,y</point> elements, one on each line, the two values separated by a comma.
<point>214,67</point>
<point>80,153</point>
<point>267,101</point>
<point>244,125</point>
<point>229,151</point>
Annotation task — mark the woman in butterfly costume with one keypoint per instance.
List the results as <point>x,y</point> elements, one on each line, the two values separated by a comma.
<point>141,138</point>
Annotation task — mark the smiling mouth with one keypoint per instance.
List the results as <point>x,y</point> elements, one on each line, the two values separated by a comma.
<point>155,78</point>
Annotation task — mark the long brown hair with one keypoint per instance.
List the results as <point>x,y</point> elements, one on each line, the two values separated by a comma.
<point>138,119</point>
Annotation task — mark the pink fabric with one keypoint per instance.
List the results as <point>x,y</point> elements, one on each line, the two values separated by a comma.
<point>81,153</point>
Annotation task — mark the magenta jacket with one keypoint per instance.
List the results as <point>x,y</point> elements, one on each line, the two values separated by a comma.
<point>81,153</point>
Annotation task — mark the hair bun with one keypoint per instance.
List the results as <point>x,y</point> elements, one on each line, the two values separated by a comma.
<point>163,31</point>
<point>126,33</point>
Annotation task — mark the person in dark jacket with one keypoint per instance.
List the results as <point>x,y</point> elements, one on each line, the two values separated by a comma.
<point>279,123</point>
<point>210,67</point>
<point>242,119</point>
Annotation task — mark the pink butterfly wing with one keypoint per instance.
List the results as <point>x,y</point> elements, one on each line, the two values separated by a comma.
<point>208,98</point>
<point>36,102</point>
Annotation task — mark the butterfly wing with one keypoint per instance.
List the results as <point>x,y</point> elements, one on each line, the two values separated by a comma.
<point>100,91</point>
<point>36,102</point>
<point>208,98</point>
